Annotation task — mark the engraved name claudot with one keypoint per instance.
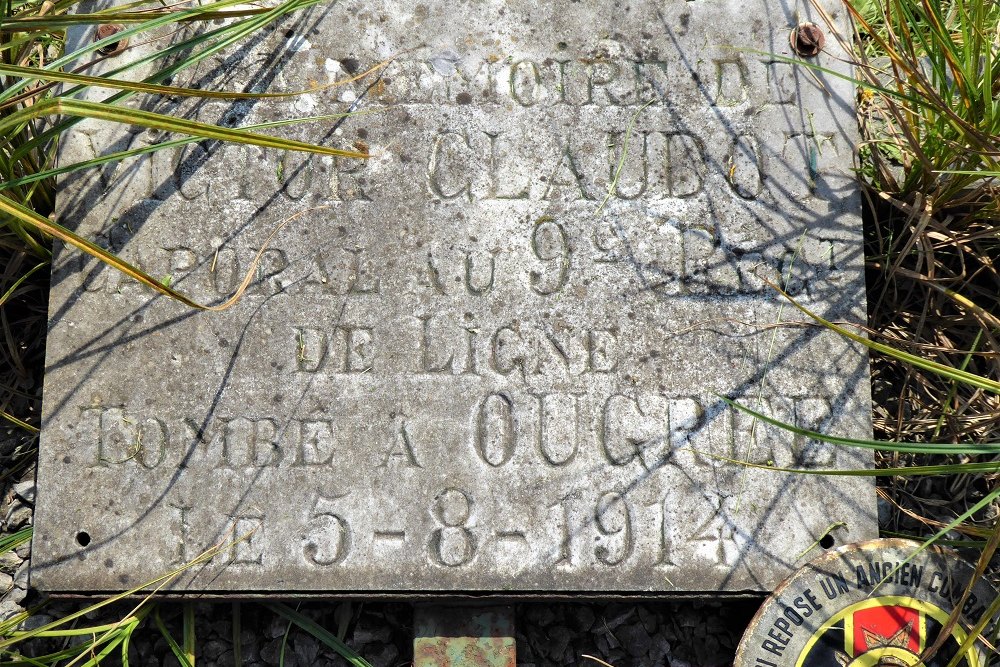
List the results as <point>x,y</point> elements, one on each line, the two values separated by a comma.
<point>495,151</point>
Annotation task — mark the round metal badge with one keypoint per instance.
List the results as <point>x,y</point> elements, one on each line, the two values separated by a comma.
<point>877,603</point>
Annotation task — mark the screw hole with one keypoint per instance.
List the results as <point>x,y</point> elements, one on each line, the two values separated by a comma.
<point>826,541</point>
<point>106,30</point>
<point>83,538</point>
<point>807,39</point>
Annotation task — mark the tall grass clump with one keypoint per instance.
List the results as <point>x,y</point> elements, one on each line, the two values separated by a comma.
<point>929,110</point>
<point>42,97</point>
<point>62,61</point>
<point>928,78</point>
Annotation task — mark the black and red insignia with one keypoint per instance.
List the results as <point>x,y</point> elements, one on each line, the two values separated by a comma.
<point>881,603</point>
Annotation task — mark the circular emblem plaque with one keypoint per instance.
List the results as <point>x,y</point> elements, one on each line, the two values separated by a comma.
<point>878,603</point>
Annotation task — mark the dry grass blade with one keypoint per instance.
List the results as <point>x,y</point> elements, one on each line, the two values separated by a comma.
<point>153,586</point>
<point>28,216</point>
<point>984,560</point>
<point>943,370</point>
<point>17,422</point>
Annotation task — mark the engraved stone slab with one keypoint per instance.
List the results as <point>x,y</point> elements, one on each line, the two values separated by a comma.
<point>456,370</point>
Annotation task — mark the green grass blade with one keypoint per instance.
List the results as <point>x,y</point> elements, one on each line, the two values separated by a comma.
<point>972,379</point>
<point>225,36</point>
<point>907,471</point>
<point>20,281</point>
<point>319,632</point>
<point>878,445</point>
<point>61,21</point>
<point>173,143</point>
<point>14,540</point>
<point>153,584</point>
<point>37,74</point>
<point>189,637</point>
<point>145,26</point>
<point>171,642</point>
<point>137,117</point>
<point>106,650</point>
<point>26,662</point>
<point>975,632</point>
<point>56,230</point>
<point>951,525</point>
<point>957,544</point>
<point>86,631</point>
<point>125,645</point>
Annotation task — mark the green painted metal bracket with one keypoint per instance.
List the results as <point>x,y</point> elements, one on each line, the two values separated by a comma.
<point>463,636</point>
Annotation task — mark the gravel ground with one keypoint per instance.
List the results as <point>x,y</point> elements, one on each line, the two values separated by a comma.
<point>682,633</point>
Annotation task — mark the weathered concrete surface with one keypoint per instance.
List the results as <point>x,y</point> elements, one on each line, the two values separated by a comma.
<point>455,372</point>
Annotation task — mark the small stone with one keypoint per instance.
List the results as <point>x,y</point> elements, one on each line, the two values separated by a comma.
<point>634,639</point>
<point>686,619</point>
<point>21,576</point>
<point>540,615</point>
<point>6,582</point>
<point>884,512</point>
<point>394,614</point>
<point>659,649</point>
<point>370,632</point>
<point>19,518</point>
<point>26,491</point>
<point>616,656</point>
<point>248,637</point>
<point>19,591</point>
<point>603,645</point>
<point>537,640</point>
<point>276,628</point>
<point>614,616</point>
<point>525,651</point>
<point>212,649</point>
<point>306,649</point>
<point>36,621</point>
<point>9,562</point>
<point>386,656</point>
<point>648,619</point>
<point>9,608</point>
<point>581,617</point>
<point>559,637</point>
<point>270,651</point>
<point>23,551</point>
<point>708,652</point>
<point>133,654</point>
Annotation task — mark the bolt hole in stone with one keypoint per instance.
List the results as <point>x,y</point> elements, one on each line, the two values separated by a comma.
<point>826,541</point>
<point>106,30</point>
<point>83,538</point>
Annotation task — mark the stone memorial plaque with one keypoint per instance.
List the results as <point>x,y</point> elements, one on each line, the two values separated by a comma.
<point>460,368</point>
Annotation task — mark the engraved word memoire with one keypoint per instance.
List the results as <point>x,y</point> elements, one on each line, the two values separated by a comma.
<point>493,355</point>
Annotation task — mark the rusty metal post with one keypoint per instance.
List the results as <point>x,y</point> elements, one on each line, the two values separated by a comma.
<point>463,636</point>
